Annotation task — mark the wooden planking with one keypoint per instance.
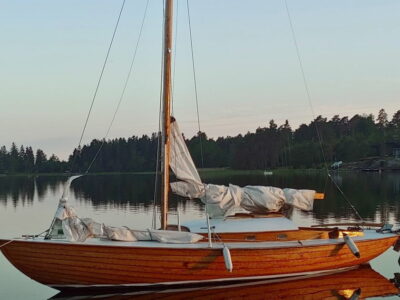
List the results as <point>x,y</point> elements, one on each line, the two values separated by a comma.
<point>304,233</point>
<point>366,224</point>
<point>158,255</point>
<point>371,283</point>
<point>272,236</point>
<point>81,264</point>
<point>238,258</point>
<point>2,242</point>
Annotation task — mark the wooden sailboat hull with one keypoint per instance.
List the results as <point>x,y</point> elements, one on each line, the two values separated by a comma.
<point>363,281</point>
<point>69,265</point>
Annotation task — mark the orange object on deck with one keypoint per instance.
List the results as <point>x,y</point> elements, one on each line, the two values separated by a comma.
<point>319,196</point>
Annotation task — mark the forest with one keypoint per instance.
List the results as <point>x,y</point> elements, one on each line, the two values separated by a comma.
<point>273,146</point>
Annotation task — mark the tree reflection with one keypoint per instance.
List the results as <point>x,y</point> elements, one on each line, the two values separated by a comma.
<point>376,196</point>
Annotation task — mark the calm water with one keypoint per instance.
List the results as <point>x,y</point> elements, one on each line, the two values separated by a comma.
<point>27,205</point>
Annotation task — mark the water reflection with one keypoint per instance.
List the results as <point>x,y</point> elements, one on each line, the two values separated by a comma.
<point>21,190</point>
<point>376,196</point>
<point>361,283</point>
<point>27,205</point>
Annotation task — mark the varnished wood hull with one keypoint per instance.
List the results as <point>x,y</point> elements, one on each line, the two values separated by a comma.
<point>363,281</point>
<point>66,265</point>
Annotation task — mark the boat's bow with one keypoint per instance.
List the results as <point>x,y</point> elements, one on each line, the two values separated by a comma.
<point>4,242</point>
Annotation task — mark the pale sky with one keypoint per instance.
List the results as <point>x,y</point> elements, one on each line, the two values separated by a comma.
<point>52,52</point>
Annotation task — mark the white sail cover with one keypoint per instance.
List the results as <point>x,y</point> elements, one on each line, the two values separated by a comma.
<point>74,229</point>
<point>174,237</point>
<point>223,200</point>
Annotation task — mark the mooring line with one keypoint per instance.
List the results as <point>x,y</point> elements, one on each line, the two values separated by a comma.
<point>5,244</point>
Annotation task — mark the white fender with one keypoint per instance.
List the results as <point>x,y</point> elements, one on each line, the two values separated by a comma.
<point>227,258</point>
<point>350,243</point>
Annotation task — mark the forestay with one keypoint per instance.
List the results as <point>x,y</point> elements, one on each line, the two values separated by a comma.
<point>223,200</point>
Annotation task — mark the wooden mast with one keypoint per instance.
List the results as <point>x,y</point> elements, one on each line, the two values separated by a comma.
<point>166,96</point>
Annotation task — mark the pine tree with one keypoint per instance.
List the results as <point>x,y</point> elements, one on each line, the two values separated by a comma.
<point>29,160</point>
<point>4,160</point>
<point>14,159</point>
<point>382,119</point>
<point>396,120</point>
<point>40,161</point>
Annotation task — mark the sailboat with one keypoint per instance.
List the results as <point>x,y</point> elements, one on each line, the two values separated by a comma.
<point>243,237</point>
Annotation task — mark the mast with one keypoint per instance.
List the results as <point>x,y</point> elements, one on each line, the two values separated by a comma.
<point>166,110</point>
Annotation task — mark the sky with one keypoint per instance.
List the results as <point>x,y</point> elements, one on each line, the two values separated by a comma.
<point>247,69</point>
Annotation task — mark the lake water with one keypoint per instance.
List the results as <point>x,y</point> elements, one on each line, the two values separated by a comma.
<point>27,205</point>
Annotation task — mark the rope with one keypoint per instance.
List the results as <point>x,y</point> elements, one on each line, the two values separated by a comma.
<point>308,93</point>
<point>195,83</point>
<point>158,161</point>
<point>175,51</point>
<point>9,242</point>
<point>124,88</point>
<point>345,198</point>
<point>154,220</point>
<point>99,80</point>
<point>102,72</point>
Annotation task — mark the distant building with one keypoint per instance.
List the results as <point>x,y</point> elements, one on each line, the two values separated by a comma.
<point>336,164</point>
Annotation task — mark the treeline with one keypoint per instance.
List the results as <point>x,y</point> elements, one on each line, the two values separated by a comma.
<point>340,138</point>
<point>24,160</point>
<point>309,146</point>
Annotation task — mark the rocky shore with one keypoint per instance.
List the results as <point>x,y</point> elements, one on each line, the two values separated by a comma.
<point>373,164</point>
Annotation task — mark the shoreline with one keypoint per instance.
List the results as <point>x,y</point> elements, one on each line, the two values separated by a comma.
<point>347,167</point>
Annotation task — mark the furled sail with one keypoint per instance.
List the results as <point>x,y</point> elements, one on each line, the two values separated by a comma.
<point>65,218</point>
<point>223,200</point>
<point>182,165</point>
<point>68,225</point>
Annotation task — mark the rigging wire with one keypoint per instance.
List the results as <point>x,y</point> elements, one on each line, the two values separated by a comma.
<point>101,74</point>
<point>158,155</point>
<point>173,75</point>
<point>195,84</point>
<point>124,88</point>
<point>174,58</point>
<point>308,93</point>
